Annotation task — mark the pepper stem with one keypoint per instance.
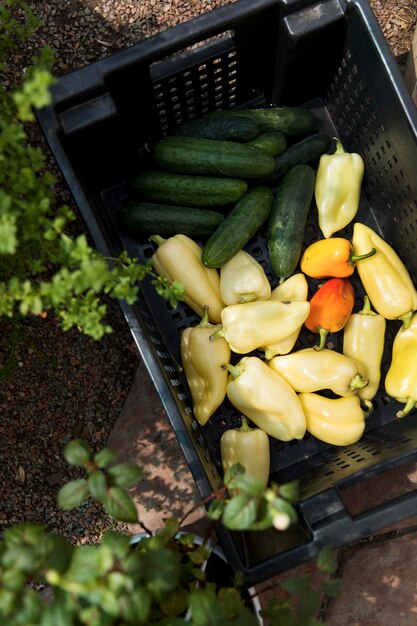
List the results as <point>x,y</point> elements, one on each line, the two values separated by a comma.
<point>358,382</point>
<point>407,407</point>
<point>219,333</point>
<point>367,307</point>
<point>323,336</point>
<point>247,297</point>
<point>406,319</point>
<point>368,407</point>
<point>339,147</point>
<point>354,258</point>
<point>157,239</point>
<point>245,428</point>
<point>234,370</point>
<point>204,322</point>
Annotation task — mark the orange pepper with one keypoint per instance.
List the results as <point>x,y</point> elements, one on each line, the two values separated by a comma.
<point>333,257</point>
<point>330,308</point>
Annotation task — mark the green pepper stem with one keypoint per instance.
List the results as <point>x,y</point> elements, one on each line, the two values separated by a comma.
<point>234,370</point>
<point>354,258</point>
<point>323,336</point>
<point>368,407</point>
<point>219,333</point>
<point>367,307</point>
<point>406,319</point>
<point>358,382</point>
<point>339,147</point>
<point>157,239</point>
<point>204,322</point>
<point>407,407</point>
<point>245,428</point>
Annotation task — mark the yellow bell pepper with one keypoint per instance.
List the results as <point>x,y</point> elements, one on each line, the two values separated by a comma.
<point>401,378</point>
<point>249,447</point>
<point>384,276</point>
<point>311,370</point>
<point>363,341</point>
<point>257,391</point>
<point>331,258</point>
<point>178,258</point>
<point>338,188</point>
<point>243,279</point>
<point>293,288</point>
<point>202,361</point>
<point>253,325</point>
<point>338,421</point>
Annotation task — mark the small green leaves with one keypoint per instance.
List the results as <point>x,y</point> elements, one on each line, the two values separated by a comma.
<point>104,457</point>
<point>77,452</point>
<point>73,494</point>
<point>125,475</point>
<point>119,505</point>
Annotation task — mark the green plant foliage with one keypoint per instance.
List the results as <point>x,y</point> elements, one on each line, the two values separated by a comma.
<point>42,267</point>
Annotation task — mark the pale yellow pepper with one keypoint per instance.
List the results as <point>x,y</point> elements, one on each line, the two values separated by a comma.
<point>338,189</point>
<point>253,325</point>
<point>363,341</point>
<point>293,288</point>
<point>202,361</point>
<point>310,370</point>
<point>338,421</point>
<point>243,279</point>
<point>384,276</point>
<point>249,447</point>
<point>264,397</point>
<point>401,378</point>
<point>178,258</point>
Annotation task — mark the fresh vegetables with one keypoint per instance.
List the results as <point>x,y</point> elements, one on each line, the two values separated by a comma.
<point>363,341</point>
<point>243,279</point>
<point>401,378</point>
<point>186,189</point>
<point>338,421</point>
<point>141,219</point>
<point>288,218</point>
<point>330,308</point>
<point>384,276</point>
<point>247,446</point>
<point>238,227</point>
<point>253,325</point>
<point>311,370</point>
<point>253,388</point>
<point>338,189</point>
<point>333,257</point>
<point>260,300</point>
<point>178,258</point>
<point>202,361</point>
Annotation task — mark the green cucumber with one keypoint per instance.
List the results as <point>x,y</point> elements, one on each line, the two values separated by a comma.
<point>139,220</point>
<point>238,227</point>
<point>291,121</point>
<point>210,157</point>
<point>272,142</point>
<point>239,128</point>
<point>307,151</point>
<point>181,189</point>
<point>288,218</point>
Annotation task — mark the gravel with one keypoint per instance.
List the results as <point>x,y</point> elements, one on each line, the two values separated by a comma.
<point>64,385</point>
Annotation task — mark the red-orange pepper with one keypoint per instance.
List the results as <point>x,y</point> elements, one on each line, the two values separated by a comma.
<point>330,308</point>
<point>333,257</point>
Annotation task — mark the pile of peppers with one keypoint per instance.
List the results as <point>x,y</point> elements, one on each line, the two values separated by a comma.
<point>246,350</point>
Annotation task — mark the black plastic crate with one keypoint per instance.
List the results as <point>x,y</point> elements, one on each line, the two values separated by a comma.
<point>331,57</point>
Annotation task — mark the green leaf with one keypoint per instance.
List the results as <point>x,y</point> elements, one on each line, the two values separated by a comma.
<point>89,563</point>
<point>240,512</point>
<point>231,600</point>
<point>103,458</point>
<point>119,505</point>
<point>279,613</point>
<point>77,452</point>
<point>118,544</point>
<point>136,607</point>
<point>73,494</point>
<point>205,608</point>
<point>97,485</point>
<point>326,561</point>
<point>307,608</point>
<point>233,471</point>
<point>125,475</point>
<point>297,584</point>
<point>249,484</point>
<point>175,603</point>
<point>215,510</point>
<point>289,491</point>
<point>8,234</point>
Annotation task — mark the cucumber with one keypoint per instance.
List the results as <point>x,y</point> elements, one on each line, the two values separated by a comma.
<point>210,157</point>
<point>181,189</point>
<point>139,220</point>
<point>272,142</point>
<point>308,151</point>
<point>288,218</point>
<point>238,227</point>
<point>291,121</point>
<point>239,128</point>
